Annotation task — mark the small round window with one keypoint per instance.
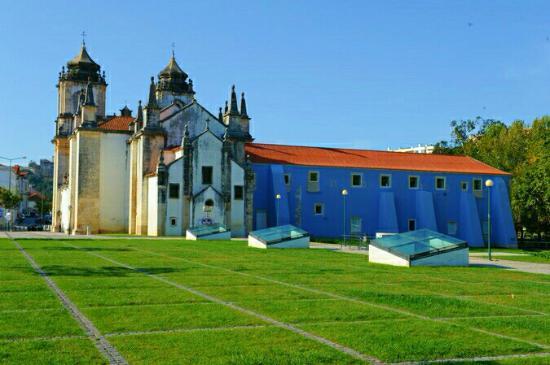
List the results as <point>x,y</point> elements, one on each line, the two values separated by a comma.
<point>208,205</point>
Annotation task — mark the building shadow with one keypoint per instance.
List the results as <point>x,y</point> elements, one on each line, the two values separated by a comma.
<point>104,271</point>
<point>88,249</point>
<point>490,265</point>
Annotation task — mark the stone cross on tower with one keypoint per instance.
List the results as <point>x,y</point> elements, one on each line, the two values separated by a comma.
<point>83,34</point>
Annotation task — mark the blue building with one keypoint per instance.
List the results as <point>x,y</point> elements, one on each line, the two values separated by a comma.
<point>387,192</point>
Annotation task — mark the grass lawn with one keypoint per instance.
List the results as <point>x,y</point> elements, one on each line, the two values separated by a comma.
<point>195,302</point>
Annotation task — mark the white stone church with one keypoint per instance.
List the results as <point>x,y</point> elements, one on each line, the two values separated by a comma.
<point>171,166</point>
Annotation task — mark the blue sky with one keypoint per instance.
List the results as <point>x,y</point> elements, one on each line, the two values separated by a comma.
<point>358,74</point>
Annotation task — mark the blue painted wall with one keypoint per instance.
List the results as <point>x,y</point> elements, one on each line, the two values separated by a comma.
<point>384,209</point>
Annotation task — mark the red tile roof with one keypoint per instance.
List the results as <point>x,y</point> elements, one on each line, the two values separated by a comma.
<point>17,170</point>
<point>35,195</point>
<point>173,149</point>
<point>118,123</point>
<point>369,159</point>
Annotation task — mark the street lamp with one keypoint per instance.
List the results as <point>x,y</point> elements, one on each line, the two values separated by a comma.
<point>278,197</point>
<point>344,194</point>
<point>10,160</point>
<point>489,183</point>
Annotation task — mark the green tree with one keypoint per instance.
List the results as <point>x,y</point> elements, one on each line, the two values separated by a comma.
<point>531,182</point>
<point>8,199</point>
<point>521,149</point>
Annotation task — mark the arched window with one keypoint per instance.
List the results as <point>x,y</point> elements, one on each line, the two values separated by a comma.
<point>75,100</point>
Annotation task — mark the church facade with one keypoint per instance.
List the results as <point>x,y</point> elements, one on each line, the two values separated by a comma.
<point>172,166</point>
<point>175,165</point>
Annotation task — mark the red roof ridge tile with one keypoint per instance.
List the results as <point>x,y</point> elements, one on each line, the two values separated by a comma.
<point>117,123</point>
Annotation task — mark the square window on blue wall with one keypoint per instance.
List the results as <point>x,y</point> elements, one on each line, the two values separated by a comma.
<point>385,181</point>
<point>440,183</point>
<point>318,209</point>
<point>414,181</point>
<point>356,179</point>
<point>287,179</point>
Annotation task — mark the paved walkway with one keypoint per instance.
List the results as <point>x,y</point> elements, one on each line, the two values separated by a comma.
<point>484,254</point>
<point>47,235</point>
<point>531,267</point>
<point>336,247</point>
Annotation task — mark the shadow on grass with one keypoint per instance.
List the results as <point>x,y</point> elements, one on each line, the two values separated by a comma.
<point>105,271</point>
<point>89,249</point>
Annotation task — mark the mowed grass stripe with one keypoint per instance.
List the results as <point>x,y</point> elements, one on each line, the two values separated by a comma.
<point>101,343</point>
<point>187,273</point>
<point>286,326</point>
<point>28,309</point>
<point>48,352</point>
<point>351,299</point>
<point>270,345</point>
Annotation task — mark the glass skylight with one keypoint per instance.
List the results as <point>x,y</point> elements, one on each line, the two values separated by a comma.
<point>274,235</point>
<point>205,230</point>
<point>420,243</point>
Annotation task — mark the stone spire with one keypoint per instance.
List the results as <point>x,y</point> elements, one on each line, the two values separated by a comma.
<point>138,122</point>
<point>187,161</point>
<point>139,117</point>
<point>81,98</point>
<point>152,109</point>
<point>88,111</point>
<point>152,102</point>
<point>243,107</point>
<point>234,110</point>
<point>220,115</point>
<point>89,98</point>
<point>186,140</point>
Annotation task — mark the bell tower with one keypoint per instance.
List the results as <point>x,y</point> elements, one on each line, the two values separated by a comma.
<point>72,85</point>
<point>173,83</point>
<point>81,89</point>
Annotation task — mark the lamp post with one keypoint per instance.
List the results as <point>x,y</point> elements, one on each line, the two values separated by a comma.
<point>278,198</point>
<point>489,184</point>
<point>344,195</point>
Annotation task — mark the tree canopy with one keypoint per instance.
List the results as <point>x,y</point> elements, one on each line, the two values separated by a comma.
<point>8,199</point>
<point>519,148</point>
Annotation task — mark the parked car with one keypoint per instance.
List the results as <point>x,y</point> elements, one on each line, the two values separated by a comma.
<point>31,224</point>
